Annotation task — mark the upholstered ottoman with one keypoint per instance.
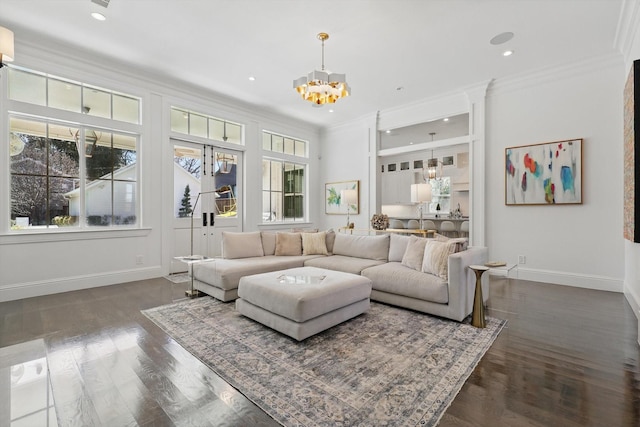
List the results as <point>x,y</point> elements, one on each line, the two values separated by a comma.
<point>303,301</point>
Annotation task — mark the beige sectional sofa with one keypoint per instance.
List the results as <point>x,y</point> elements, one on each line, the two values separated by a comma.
<point>426,275</point>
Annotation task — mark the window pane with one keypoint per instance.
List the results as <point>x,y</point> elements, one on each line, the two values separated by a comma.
<point>63,154</point>
<point>186,186</point>
<point>288,146</point>
<point>124,203</point>
<point>27,87</point>
<point>179,121</point>
<point>266,175</point>
<point>27,147</point>
<point>96,102</point>
<point>266,141</point>
<point>126,109</point>
<point>28,201</point>
<point>268,212</point>
<point>197,125</point>
<point>276,176</point>
<point>276,205</point>
<point>64,95</point>
<point>98,202</point>
<point>60,190</point>
<point>98,155</point>
<point>277,144</point>
<point>234,133</point>
<point>301,149</point>
<point>216,129</point>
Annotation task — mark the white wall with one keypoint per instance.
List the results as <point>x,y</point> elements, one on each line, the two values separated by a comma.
<point>579,245</point>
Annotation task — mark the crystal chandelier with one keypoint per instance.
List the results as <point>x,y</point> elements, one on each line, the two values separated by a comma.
<point>322,87</point>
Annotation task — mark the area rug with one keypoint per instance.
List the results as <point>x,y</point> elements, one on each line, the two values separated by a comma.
<point>387,367</point>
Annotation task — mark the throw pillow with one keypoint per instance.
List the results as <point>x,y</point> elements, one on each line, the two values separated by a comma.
<point>461,243</point>
<point>397,247</point>
<point>414,254</point>
<point>314,243</point>
<point>436,258</point>
<point>241,245</point>
<point>331,238</point>
<point>288,244</point>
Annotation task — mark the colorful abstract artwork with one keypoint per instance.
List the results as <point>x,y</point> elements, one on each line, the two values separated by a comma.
<point>544,174</point>
<point>632,154</point>
<point>333,203</point>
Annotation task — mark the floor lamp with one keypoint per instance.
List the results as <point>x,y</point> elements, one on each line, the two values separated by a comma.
<point>349,198</point>
<point>420,193</point>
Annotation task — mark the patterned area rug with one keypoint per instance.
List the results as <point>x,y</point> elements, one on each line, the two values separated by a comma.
<point>387,367</point>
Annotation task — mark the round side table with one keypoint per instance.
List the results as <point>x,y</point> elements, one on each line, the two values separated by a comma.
<point>477,316</point>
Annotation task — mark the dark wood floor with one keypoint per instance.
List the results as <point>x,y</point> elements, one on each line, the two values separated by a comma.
<point>568,357</point>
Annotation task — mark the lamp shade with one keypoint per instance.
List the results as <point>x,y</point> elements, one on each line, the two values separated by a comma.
<point>348,197</point>
<point>6,44</point>
<point>420,193</point>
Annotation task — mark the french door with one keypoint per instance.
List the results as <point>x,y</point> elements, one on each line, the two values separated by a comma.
<point>207,198</point>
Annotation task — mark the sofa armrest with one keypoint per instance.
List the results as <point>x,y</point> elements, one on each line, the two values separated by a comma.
<point>462,280</point>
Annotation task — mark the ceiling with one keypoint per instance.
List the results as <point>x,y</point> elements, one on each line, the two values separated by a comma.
<point>393,52</point>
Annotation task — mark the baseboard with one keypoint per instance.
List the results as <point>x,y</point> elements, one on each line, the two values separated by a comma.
<point>577,280</point>
<point>633,299</point>
<point>66,284</point>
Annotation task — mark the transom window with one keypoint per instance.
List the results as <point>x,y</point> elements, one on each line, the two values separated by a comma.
<point>197,124</point>
<point>55,92</point>
<point>282,144</point>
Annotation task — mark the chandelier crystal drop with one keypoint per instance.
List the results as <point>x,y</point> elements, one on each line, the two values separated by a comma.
<point>322,87</point>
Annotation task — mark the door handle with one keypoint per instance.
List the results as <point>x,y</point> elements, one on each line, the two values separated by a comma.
<point>212,220</point>
<point>204,219</point>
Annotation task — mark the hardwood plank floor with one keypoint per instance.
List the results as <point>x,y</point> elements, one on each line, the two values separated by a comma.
<point>568,357</point>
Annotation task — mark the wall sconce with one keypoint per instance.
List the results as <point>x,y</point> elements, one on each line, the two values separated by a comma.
<point>6,46</point>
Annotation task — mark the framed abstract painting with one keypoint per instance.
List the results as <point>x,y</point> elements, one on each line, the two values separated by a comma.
<point>333,203</point>
<point>544,174</point>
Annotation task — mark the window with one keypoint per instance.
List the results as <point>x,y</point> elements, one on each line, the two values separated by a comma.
<point>440,195</point>
<point>54,92</point>
<point>196,124</point>
<point>283,181</point>
<point>71,175</point>
<point>54,186</point>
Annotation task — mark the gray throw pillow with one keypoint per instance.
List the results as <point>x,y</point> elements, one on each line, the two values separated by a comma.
<point>414,254</point>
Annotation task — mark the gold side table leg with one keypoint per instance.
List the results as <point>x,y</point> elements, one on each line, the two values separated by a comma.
<point>477,317</point>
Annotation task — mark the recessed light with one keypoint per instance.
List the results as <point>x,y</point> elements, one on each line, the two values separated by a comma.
<point>507,53</point>
<point>251,78</point>
<point>98,16</point>
<point>501,38</point>
<point>388,131</point>
<point>446,119</point>
<point>331,111</point>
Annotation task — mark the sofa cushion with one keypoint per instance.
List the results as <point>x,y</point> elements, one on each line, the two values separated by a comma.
<point>414,254</point>
<point>397,247</point>
<point>370,247</point>
<point>289,244</point>
<point>395,278</point>
<point>314,243</point>
<point>342,263</point>
<point>436,258</point>
<point>268,242</point>
<point>226,273</point>
<point>241,245</point>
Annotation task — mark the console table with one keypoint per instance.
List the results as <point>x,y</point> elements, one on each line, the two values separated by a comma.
<point>368,231</point>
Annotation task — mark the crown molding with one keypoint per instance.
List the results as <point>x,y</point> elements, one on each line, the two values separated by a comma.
<point>628,23</point>
<point>554,73</point>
